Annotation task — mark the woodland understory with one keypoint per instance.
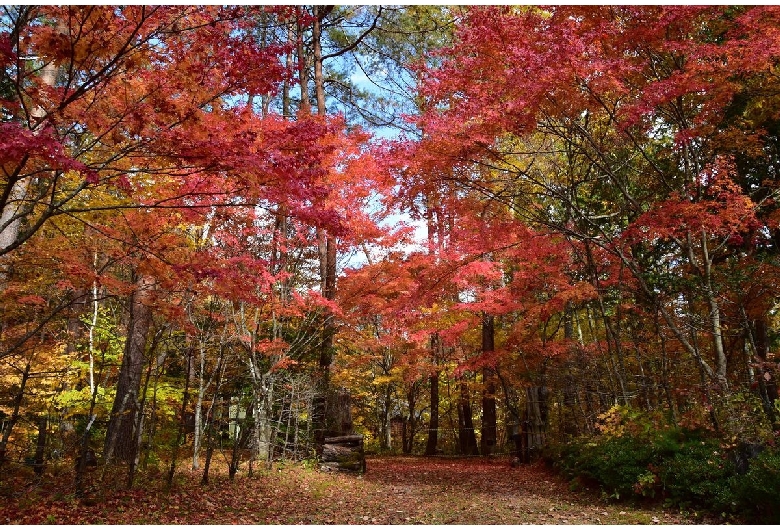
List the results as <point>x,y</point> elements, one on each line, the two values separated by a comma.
<point>242,244</point>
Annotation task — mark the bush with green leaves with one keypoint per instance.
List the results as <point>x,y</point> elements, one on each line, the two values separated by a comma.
<point>758,489</point>
<point>636,457</point>
<point>614,463</point>
<point>699,474</point>
<point>625,457</point>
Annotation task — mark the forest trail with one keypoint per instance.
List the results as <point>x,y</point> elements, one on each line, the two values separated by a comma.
<point>394,490</point>
<point>416,490</point>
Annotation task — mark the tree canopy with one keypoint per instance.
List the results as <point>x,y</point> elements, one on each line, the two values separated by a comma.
<point>254,229</point>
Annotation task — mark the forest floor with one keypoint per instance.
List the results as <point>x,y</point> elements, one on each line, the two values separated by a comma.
<point>394,490</point>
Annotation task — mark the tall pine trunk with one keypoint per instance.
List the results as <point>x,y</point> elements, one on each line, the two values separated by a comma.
<point>327,253</point>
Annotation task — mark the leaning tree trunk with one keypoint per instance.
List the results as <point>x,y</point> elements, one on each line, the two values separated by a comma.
<point>120,435</point>
<point>16,204</point>
<point>10,423</point>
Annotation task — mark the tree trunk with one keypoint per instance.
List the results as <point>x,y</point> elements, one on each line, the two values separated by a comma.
<point>536,420</point>
<point>433,424</point>
<point>410,425</point>
<point>467,439</point>
<point>75,326</point>
<point>303,71</point>
<point>489,429</point>
<point>385,423</point>
<point>13,211</point>
<point>40,445</point>
<point>327,252</point>
<point>9,425</point>
<point>86,458</point>
<point>262,400</point>
<point>716,327</point>
<point>139,425</point>
<point>210,425</point>
<point>341,413</point>
<point>568,425</point>
<point>209,449</point>
<point>197,439</point>
<point>767,385</point>
<point>182,420</point>
<point>319,13</point>
<point>120,435</point>
<point>568,416</point>
<point>241,436</point>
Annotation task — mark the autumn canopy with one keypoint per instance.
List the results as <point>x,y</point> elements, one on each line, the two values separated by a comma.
<point>484,230</point>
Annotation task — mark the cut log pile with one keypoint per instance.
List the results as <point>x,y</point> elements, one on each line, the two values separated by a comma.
<point>344,453</point>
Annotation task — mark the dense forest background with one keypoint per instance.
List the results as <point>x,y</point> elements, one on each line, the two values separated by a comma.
<point>235,232</point>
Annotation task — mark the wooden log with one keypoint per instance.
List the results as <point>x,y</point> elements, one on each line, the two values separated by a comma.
<point>350,440</point>
<point>334,453</point>
<point>344,453</point>
<point>357,466</point>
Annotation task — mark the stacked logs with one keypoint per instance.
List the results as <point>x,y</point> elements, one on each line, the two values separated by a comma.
<point>344,453</point>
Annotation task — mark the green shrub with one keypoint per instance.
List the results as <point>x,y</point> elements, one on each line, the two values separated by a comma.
<point>623,460</point>
<point>687,468</point>
<point>699,474</point>
<point>617,465</point>
<point>758,489</point>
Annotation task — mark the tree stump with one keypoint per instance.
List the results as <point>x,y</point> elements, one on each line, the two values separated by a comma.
<point>344,453</point>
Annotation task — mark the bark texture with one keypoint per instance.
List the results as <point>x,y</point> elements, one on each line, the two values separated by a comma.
<point>121,434</point>
<point>344,453</point>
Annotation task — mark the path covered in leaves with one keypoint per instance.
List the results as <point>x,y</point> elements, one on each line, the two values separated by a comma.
<point>399,490</point>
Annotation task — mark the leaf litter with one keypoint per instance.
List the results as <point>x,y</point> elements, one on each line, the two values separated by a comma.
<point>394,490</point>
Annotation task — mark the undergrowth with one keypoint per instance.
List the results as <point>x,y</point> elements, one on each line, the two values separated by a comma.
<point>636,457</point>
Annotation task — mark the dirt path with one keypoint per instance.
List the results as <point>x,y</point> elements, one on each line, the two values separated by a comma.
<point>467,491</point>
<point>399,490</point>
